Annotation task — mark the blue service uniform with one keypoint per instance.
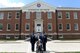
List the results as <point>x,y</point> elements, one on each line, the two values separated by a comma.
<point>32,41</point>
<point>44,42</point>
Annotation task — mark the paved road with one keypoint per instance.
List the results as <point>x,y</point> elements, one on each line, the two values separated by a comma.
<point>52,46</point>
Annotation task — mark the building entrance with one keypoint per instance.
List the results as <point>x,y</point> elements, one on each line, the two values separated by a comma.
<point>38,28</point>
<point>39,25</point>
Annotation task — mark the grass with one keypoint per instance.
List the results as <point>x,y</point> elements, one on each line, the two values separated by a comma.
<point>71,52</point>
<point>68,52</point>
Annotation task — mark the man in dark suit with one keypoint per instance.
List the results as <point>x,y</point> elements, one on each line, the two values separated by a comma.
<point>32,41</point>
<point>44,41</point>
<point>43,38</point>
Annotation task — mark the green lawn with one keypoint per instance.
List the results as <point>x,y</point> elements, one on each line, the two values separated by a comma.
<point>69,52</point>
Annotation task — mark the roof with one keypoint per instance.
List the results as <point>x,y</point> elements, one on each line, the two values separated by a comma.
<point>10,8</point>
<point>67,8</point>
<point>33,6</point>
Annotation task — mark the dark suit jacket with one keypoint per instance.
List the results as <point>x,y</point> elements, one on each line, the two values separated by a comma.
<point>44,39</point>
<point>32,39</point>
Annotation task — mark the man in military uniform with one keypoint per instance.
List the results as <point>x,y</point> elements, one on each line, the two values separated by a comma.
<point>44,41</point>
<point>43,38</point>
<point>32,41</point>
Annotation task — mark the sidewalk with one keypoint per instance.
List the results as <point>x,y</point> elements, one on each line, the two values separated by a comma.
<point>18,46</point>
<point>66,41</point>
<point>52,46</point>
<point>64,46</point>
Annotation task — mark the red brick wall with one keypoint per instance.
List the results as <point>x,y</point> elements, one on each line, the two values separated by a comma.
<point>64,21</point>
<point>45,22</point>
<point>23,21</point>
<point>12,21</point>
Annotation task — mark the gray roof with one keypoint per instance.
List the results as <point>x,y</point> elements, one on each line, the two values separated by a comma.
<point>10,8</point>
<point>69,8</point>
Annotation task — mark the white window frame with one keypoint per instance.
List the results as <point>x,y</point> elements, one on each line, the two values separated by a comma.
<point>16,15</point>
<point>2,15</point>
<point>51,26</point>
<point>59,14</point>
<point>68,15</point>
<point>69,25</point>
<point>62,27</point>
<point>2,25</point>
<point>15,27</point>
<point>7,27</point>
<point>75,15</point>
<point>28,15</point>
<point>38,15</point>
<point>77,27</point>
<point>9,15</point>
<point>49,15</point>
<point>29,27</point>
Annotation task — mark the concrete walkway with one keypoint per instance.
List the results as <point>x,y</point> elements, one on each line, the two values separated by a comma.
<point>17,46</point>
<point>52,46</point>
<point>64,46</point>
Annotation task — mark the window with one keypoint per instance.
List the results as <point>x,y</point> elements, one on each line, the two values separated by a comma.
<point>38,24</point>
<point>67,15</point>
<point>49,15</point>
<point>60,15</point>
<point>16,37</point>
<point>60,27</point>
<point>38,15</point>
<point>7,37</point>
<point>1,15</point>
<point>75,26</point>
<point>1,27</point>
<point>17,27</point>
<point>27,15</point>
<point>60,36</point>
<point>17,15</point>
<point>9,15</point>
<point>8,27</point>
<point>49,26</point>
<point>75,15</point>
<point>68,27</point>
<point>26,37</point>
<point>27,27</point>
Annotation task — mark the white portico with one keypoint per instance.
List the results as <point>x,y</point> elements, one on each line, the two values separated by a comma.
<point>38,25</point>
<point>38,7</point>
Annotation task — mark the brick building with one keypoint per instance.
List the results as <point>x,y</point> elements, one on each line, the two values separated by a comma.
<point>58,22</point>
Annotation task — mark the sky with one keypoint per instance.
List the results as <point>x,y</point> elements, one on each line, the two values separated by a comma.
<point>57,3</point>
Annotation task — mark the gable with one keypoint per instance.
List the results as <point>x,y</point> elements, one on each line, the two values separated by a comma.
<point>38,6</point>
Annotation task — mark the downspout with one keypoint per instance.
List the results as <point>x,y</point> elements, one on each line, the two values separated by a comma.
<point>20,23</point>
<point>57,25</point>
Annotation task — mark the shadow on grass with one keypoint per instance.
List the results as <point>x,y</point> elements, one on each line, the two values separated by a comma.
<point>49,52</point>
